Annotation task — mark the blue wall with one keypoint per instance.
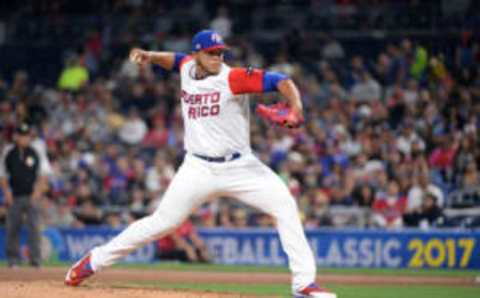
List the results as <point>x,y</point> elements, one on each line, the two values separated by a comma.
<point>353,248</point>
<point>333,248</point>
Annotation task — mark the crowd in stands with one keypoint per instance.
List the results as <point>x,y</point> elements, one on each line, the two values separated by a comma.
<point>391,137</point>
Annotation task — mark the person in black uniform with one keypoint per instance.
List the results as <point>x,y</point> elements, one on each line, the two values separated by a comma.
<point>23,180</point>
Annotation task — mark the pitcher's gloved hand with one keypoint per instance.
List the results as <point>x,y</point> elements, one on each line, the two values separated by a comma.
<point>280,114</point>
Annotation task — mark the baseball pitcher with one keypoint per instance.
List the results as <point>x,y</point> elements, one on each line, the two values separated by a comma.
<point>219,160</point>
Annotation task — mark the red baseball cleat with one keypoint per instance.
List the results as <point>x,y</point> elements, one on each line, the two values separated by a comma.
<point>79,272</point>
<point>314,291</point>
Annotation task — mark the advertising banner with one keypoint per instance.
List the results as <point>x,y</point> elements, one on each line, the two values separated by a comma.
<point>332,247</point>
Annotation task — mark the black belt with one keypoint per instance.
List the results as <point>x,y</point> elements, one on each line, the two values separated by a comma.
<point>219,159</point>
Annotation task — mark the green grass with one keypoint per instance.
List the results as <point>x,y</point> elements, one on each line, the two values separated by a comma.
<point>405,291</point>
<point>250,268</point>
<point>282,290</point>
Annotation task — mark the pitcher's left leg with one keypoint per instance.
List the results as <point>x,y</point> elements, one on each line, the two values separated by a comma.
<point>191,186</point>
<point>261,188</point>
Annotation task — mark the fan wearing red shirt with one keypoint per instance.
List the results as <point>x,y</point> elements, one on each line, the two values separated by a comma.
<point>388,207</point>
<point>184,244</point>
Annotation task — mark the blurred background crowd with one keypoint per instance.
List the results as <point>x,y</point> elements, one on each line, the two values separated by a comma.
<point>391,92</point>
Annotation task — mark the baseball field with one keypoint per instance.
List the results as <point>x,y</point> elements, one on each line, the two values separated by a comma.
<point>183,280</point>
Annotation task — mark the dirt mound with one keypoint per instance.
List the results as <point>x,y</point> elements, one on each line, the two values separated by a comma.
<point>116,283</point>
<point>49,289</point>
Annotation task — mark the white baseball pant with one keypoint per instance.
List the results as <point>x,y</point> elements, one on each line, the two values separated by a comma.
<point>197,181</point>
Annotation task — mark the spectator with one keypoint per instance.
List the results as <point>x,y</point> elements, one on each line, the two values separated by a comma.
<point>418,191</point>
<point>367,89</point>
<point>137,203</point>
<point>137,174</point>
<point>384,69</point>
<point>471,177</point>
<point>465,52</point>
<point>113,219</point>
<point>224,216</point>
<point>19,88</point>
<point>84,193</point>
<point>88,214</point>
<point>388,207</point>
<point>399,64</point>
<point>417,56</point>
<point>364,195</point>
<point>183,244</point>
<point>74,75</point>
<point>408,138</point>
<point>263,220</point>
<point>159,176</point>
<point>157,136</point>
<point>316,211</point>
<point>240,218</point>
<point>222,23</point>
<point>443,156</point>
<point>116,182</point>
<point>430,214</point>
<point>332,49</point>
<point>464,158</point>
<point>65,218</point>
<point>133,129</point>
<point>92,51</point>
<point>411,92</point>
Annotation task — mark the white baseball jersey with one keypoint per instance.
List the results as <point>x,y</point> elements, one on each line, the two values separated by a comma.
<point>216,110</point>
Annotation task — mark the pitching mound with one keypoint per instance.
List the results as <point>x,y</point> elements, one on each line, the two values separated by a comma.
<point>117,283</point>
<point>49,289</point>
